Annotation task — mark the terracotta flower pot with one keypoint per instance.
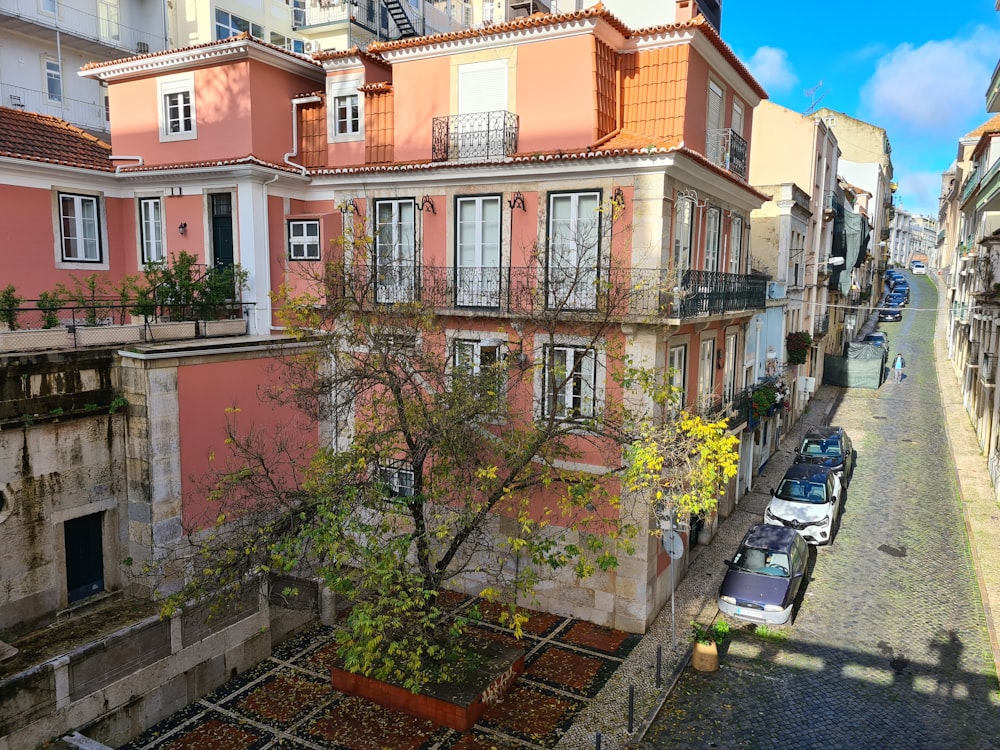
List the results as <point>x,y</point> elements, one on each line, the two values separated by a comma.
<point>705,657</point>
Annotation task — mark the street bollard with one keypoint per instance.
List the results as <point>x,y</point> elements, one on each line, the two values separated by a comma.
<point>631,706</point>
<point>597,741</point>
<point>659,666</point>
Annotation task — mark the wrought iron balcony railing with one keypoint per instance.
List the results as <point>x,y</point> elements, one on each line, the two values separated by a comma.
<point>479,136</point>
<point>633,294</point>
<point>822,326</point>
<point>728,150</point>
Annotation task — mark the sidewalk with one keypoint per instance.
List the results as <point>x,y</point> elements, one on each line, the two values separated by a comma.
<point>696,594</point>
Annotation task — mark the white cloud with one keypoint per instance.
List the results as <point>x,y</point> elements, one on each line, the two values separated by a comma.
<point>934,88</point>
<point>770,67</point>
<point>918,192</point>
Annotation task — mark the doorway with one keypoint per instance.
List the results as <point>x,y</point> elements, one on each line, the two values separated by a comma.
<point>84,556</point>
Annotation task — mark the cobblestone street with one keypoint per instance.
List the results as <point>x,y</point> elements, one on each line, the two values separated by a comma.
<point>890,648</point>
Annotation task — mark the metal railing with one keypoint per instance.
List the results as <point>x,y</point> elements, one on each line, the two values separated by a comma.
<point>619,293</point>
<point>83,114</point>
<point>727,149</point>
<point>104,30</point>
<point>477,136</point>
<point>822,326</point>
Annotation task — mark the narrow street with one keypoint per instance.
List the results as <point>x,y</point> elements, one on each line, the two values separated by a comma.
<point>890,647</point>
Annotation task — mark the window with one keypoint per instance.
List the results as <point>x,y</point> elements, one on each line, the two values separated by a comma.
<point>573,256</point>
<point>682,234</point>
<point>80,228</point>
<point>729,373</point>
<point>713,221</point>
<point>735,244</point>
<point>346,119</point>
<point>396,480</point>
<point>228,25</point>
<point>177,108</point>
<point>477,248</point>
<point>303,240</point>
<point>298,13</point>
<point>151,229</point>
<point>737,122</point>
<point>84,556</point>
<point>280,40</point>
<point>481,360</point>
<point>677,373</point>
<point>346,115</point>
<point>706,373</point>
<point>395,239</point>
<point>570,381</point>
<point>47,6</point>
<point>53,80</point>
<point>713,125</point>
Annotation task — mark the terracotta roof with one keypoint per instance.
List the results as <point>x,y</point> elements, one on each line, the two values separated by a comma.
<point>713,36</point>
<point>210,163</point>
<point>352,52</point>
<point>43,138</point>
<point>518,24</point>
<point>636,142</point>
<point>990,126</point>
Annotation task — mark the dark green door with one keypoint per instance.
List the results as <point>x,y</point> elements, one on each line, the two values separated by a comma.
<point>84,557</point>
<point>222,229</point>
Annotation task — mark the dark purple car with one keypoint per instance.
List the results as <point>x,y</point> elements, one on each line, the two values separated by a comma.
<point>765,575</point>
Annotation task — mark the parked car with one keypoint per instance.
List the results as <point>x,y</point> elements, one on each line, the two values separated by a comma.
<point>830,447</point>
<point>765,575</point>
<point>877,338</point>
<point>919,268</point>
<point>903,288</point>
<point>807,499</point>
<point>890,314</point>
<point>894,299</point>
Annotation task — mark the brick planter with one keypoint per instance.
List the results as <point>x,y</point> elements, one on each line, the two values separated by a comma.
<point>459,706</point>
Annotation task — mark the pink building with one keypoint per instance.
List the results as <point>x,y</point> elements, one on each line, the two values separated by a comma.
<point>473,150</point>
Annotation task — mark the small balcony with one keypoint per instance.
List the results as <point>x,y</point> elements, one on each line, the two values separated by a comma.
<point>478,136</point>
<point>91,116</point>
<point>621,294</point>
<point>822,327</point>
<point>988,372</point>
<point>727,149</point>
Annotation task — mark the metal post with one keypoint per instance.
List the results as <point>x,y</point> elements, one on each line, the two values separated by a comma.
<point>659,665</point>
<point>631,707</point>
<point>673,619</point>
<point>597,741</point>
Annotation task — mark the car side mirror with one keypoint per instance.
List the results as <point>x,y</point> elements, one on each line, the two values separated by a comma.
<point>772,492</point>
<point>798,574</point>
<point>728,563</point>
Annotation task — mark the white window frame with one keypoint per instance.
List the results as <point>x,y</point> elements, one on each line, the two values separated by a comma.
<point>303,239</point>
<point>729,368</point>
<point>706,371</point>
<point>336,89</point>
<point>395,249</point>
<point>735,244</point>
<point>151,239</point>
<point>52,74</point>
<point>477,250</point>
<point>346,114</point>
<point>677,371</point>
<point>570,397</point>
<point>714,115</point>
<point>49,7</point>
<point>473,355</point>
<point>574,250</point>
<point>234,25</point>
<point>398,480</point>
<point>713,237</point>
<point>683,233</point>
<point>169,90</point>
<point>82,225</point>
<point>736,124</point>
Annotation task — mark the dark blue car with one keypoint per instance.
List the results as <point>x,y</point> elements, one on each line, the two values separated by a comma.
<point>765,575</point>
<point>830,447</point>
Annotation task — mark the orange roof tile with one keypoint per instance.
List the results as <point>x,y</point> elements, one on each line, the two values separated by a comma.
<point>43,138</point>
<point>990,126</point>
<point>209,163</point>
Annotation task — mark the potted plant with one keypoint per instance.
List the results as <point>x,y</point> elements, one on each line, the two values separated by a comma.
<point>9,307</point>
<point>49,303</point>
<point>706,640</point>
<point>763,400</point>
<point>797,343</point>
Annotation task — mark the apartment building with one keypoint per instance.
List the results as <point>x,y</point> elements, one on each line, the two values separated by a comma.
<point>491,195</point>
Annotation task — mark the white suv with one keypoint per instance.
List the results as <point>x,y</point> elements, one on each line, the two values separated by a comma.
<point>807,500</point>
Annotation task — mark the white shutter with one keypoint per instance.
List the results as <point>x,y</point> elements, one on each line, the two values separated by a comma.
<point>482,87</point>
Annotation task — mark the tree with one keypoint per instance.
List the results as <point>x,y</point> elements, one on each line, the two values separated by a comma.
<point>456,457</point>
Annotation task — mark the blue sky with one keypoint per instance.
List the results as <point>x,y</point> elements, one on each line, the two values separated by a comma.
<point>918,69</point>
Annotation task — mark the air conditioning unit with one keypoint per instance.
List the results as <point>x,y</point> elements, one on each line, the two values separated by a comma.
<point>313,46</point>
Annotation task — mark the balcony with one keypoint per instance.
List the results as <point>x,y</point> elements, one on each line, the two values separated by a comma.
<point>90,116</point>
<point>988,372</point>
<point>970,184</point>
<point>622,294</point>
<point>821,327</point>
<point>727,149</point>
<point>478,136</point>
<point>100,37</point>
<point>993,93</point>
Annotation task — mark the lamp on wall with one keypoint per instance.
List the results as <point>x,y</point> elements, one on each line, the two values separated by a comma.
<point>618,198</point>
<point>427,203</point>
<point>351,206</point>
<point>516,201</point>
<point>182,227</point>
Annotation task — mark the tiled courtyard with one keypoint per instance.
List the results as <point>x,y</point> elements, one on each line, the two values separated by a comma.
<point>287,702</point>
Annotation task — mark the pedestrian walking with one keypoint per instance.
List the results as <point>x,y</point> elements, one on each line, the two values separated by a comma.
<point>897,368</point>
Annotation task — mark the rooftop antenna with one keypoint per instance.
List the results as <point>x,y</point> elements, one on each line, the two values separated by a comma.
<point>813,99</point>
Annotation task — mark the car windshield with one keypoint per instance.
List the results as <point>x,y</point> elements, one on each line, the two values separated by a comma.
<point>802,491</point>
<point>761,561</point>
<point>826,448</point>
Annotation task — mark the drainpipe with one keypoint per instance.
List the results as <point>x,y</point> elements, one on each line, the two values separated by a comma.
<point>118,169</point>
<point>295,131</point>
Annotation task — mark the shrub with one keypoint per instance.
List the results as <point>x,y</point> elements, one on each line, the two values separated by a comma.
<point>798,344</point>
<point>9,304</point>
